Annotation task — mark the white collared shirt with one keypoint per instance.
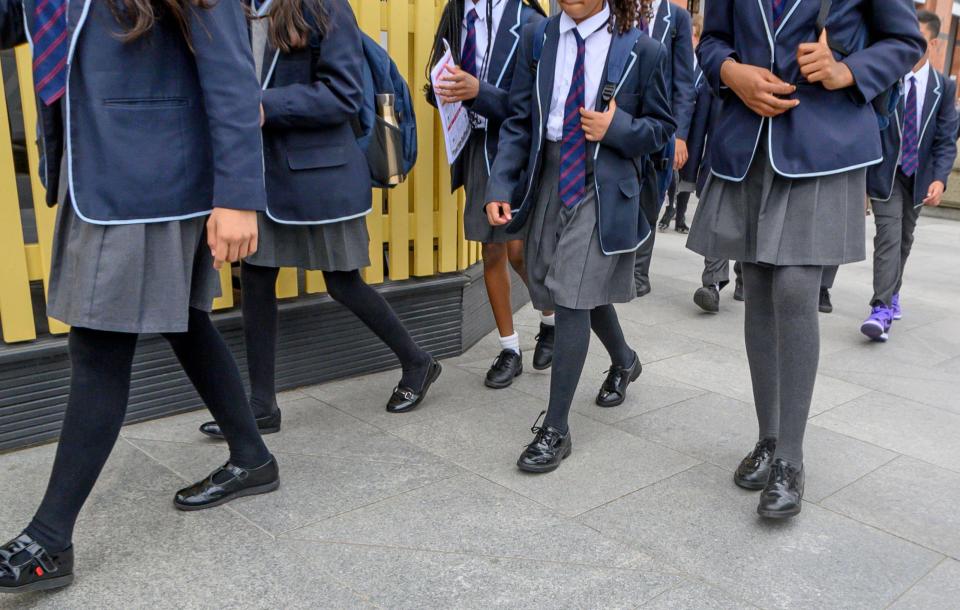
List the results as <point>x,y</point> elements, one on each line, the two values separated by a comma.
<point>481,7</point>
<point>653,22</point>
<point>597,38</point>
<point>923,77</point>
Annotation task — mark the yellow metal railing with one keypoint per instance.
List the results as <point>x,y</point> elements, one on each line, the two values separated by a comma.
<point>421,228</point>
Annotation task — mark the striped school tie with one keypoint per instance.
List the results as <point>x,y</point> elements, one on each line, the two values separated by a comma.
<point>778,8</point>
<point>573,148</point>
<point>911,155</point>
<point>469,60</point>
<point>50,50</point>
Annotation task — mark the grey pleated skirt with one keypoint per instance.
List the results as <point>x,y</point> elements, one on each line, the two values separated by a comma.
<point>336,246</point>
<point>476,227</point>
<point>565,264</point>
<point>138,278</point>
<point>774,220</point>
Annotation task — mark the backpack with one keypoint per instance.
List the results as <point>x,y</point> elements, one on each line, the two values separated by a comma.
<point>386,125</point>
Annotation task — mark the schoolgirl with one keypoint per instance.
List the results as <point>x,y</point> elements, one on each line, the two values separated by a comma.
<point>790,150</point>
<point>582,122</point>
<point>149,126</point>
<point>484,34</point>
<point>309,59</point>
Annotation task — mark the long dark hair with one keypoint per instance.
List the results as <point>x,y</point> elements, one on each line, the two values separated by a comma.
<point>139,16</point>
<point>292,22</point>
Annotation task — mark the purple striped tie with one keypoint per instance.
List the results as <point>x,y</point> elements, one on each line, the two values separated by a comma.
<point>50,50</point>
<point>573,148</point>
<point>778,8</point>
<point>469,60</point>
<point>911,156</point>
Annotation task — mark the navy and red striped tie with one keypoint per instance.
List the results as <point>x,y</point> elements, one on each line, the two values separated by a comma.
<point>469,60</point>
<point>50,50</point>
<point>573,147</point>
<point>778,8</point>
<point>911,156</point>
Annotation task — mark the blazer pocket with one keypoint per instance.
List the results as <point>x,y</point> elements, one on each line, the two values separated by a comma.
<point>316,157</point>
<point>146,103</point>
<point>630,187</point>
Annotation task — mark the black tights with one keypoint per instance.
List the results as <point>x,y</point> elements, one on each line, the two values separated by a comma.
<point>345,287</point>
<point>99,390</point>
<point>570,352</point>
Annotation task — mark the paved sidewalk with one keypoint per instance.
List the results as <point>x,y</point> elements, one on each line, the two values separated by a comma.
<point>427,510</point>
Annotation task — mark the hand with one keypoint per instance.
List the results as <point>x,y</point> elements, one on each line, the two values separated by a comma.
<point>263,116</point>
<point>498,213</point>
<point>231,235</point>
<point>595,124</point>
<point>818,65</point>
<point>457,86</point>
<point>680,155</point>
<point>758,88</point>
<point>934,194</point>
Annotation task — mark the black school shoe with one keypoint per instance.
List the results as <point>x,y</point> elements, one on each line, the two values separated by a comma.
<point>826,305</point>
<point>681,226</point>
<point>507,367</point>
<point>707,298</point>
<point>404,399</point>
<point>228,483</point>
<point>614,389</point>
<point>548,449</point>
<point>543,354</point>
<point>26,566</point>
<point>754,470</point>
<point>738,290</point>
<point>268,424</point>
<point>782,497</point>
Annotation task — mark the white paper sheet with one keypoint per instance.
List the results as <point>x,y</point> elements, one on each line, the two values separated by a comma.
<point>454,118</point>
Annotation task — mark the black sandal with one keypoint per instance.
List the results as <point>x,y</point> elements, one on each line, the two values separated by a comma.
<point>26,566</point>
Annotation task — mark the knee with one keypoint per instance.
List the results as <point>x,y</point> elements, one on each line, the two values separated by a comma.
<point>340,283</point>
<point>517,260</point>
<point>494,255</point>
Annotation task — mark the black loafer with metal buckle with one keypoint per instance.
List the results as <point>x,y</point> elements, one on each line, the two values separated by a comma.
<point>26,566</point>
<point>404,400</point>
<point>228,483</point>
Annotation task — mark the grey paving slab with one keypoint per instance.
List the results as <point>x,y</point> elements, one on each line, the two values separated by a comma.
<point>923,385</point>
<point>311,488</point>
<point>909,498</point>
<point>939,590</point>
<point>400,578</point>
<point>901,425</point>
<point>696,595</point>
<point>721,431</point>
<point>700,522</point>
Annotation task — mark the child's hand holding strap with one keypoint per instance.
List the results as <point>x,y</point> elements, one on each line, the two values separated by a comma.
<point>595,124</point>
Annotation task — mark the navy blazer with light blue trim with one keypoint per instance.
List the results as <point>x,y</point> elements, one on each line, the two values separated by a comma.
<point>937,146</point>
<point>830,131</point>
<point>154,131</point>
<point>642,125</point>
<point>673,28</point>
<point>316,171</point>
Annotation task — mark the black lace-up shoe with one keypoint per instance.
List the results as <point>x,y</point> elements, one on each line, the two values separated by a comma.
<point>614,389</point>
<point>543,354</point>
<point>754,470</point>
<point>548,449</point>
<point>26,566</point>
<point>228,483</point>
<point>707,298</point>
<point>507,367</point>
<point>782,498</point>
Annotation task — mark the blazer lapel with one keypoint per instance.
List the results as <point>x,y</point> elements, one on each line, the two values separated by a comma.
<point>508,36</point>
<point>546,69</point>
<point>664,21</point>
<point>77,13</point>
<point>931,101</point>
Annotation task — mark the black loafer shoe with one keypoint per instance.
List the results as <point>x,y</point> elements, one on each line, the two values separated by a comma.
<point>614,389</point>
<point>228,483</point>
<point>27,566</point>
<point>707,298</point>
<point>543,355</point>
<point>268,424</point>
<point>754,470</point>
<point>548,449</point>
<point>643,287</point>
<point>826,305</point>
<point>782,498</point>
<point>404,399</point>
<point>507,367</point>
<point>682,227</point>
<point>738,290</point>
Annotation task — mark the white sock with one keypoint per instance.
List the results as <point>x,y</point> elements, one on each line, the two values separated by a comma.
<point>511,343</point>
<point>548,320</point>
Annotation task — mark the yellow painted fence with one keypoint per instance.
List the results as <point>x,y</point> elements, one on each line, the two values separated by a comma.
<point>418,224</point>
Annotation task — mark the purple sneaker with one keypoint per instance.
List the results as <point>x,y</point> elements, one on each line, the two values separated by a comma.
<point>877,326</point>
<point>895,307</point>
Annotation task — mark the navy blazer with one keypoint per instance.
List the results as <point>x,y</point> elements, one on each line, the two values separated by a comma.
<point>673,28</point>
<point>937,146</point>
<point>641,126</point>
<point>493,101</point>
<point>151,131</point>
<point>316,171</point>
<point>705,113</point>
<point>830,131</point>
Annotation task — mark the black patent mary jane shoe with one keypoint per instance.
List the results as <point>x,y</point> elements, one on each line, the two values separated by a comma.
<point>754,470</point>
<point>26,566</point>
<point>268,424</point>
<point>548,449</point>
<point>614,389</point>
<point>543,354</point>
<point>404,399</point>
<point>228,483</point>
<point>782,497</point>
<point>507,367</point>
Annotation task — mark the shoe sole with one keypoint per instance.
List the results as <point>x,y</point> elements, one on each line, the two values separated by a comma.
<point>545,469</point>
<point>898,316</point>
<point>502,386</point>
<point>825,309</point>
<point>423,394</point>
<point>544,367</point>
<point>749,486</point>
<point>41,585</point>
<point>250,491</point>
<point>704,301</point>
<point>776,514</point>
<point>633,378</point>
<point>270,430</point>
<point>874,331</point>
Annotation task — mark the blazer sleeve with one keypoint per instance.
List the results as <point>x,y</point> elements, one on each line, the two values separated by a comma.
<point>716,43</point>
<point>230,97</point>
<point>684,92</point>
<point>516,132</point>
<point>12,32</point>
<point>897,46</point>
<point>944,150</point>
<point>650,131</point>
<point>336,95</point>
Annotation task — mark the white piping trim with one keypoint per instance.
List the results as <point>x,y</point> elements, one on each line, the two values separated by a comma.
<point>516,35</point>
<point>766,28</point>
<point>753,154</point>
<point>273,66</point>
<point>812,174</point>
<point>140,221</point>
<point>540,134</point>
<point>893,181</point>
<point>623,79</point>
<point>314,222</point>
<point>76,32</point>
<point>71,190</point>
<point>668,20</point>
<point>933,108</point>
<point>786,17</point>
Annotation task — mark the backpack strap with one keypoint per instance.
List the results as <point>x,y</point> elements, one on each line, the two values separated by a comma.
<point>620,51</point>
<point>538,40</point>
<point>822,15</point>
